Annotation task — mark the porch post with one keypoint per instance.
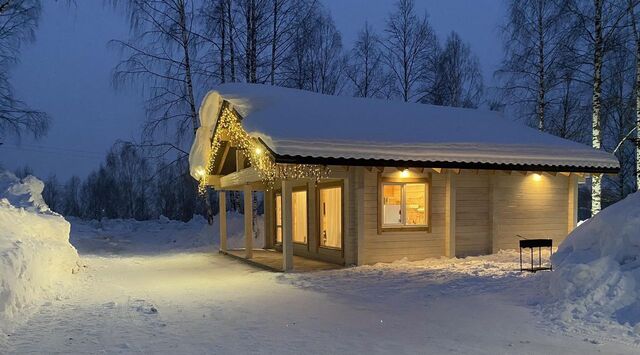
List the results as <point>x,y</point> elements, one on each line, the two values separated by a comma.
<point>450,217</point>
<point>287,226</point>
<point>248,222</point>
<point>572,203</point>
<point>222,214</point>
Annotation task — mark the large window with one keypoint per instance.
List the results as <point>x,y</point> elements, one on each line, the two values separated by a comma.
<point>404,204</point>
<point>278,218</point>
<point>299,216</point>
<point>331,217</point>
<point>299,206</point>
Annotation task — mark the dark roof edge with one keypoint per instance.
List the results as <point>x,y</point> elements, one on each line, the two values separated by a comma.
<point>289,159</point>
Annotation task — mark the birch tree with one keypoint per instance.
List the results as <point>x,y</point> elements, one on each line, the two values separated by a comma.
<point>18,22</point>
<point>633,4</point>
<point>365,69</point>
<point>409,50</point>
<point>618,118</point>
<point>600,22</point>
<point>160,58</point>
<point>284,16</point>
<point>458,80</point>
<point>215,40</point>
<point>327,60</point>
<point>536,35</point>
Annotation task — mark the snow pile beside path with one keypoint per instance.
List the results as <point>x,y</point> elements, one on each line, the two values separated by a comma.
<point>36,258</point>
<point>596,274</point>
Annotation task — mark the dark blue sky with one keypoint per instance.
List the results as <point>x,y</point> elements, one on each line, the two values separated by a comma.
<point>67,73</point>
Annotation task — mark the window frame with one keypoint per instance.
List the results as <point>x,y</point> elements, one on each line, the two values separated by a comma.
<point>275,214</point>
<point>382,180</point>
<point>329,185</point>
<point>304,188</point>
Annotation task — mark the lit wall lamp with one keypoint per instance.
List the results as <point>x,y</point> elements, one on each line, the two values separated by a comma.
<point>537,177</point>
<point>404,173</point>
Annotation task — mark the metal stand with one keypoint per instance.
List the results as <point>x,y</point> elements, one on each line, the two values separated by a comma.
<point>536,243</point>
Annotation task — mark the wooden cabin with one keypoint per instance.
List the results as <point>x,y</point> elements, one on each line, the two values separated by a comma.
<point>353,181</point>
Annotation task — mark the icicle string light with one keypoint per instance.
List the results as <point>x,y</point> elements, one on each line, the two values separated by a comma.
<point>268,170</point>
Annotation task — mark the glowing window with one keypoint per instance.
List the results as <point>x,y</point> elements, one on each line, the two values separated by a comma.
<point>299,206</point>
<point>404,204</point>
<point>278,218</point>
<point>331,217</point>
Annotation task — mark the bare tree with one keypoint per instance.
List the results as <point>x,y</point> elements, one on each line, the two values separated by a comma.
<point>215,39</point>
<point>458,80</point>
<point>70,198</point>
<point>365,68</point>
<point>410,48</point>
<point>633,4</point>
<point>285,16</point>
<point>52,193</point>
<point>618,109</point>
<point>566,116</point>
<point>327,59</point>
<point>536,36</point>
<point>18,21</point>
<point>600,22</point>
<point>161,58</point>
<point>255,29</point>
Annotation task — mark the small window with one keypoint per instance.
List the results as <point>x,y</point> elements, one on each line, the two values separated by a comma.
<point>404,204</point>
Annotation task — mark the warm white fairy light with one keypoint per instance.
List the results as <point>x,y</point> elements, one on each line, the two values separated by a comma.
<point>268,170</point>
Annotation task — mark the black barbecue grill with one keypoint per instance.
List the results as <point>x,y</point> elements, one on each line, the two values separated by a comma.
<point>532,244</point>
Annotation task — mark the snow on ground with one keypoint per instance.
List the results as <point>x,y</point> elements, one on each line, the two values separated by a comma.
<point>141,292</point>
<point>131,237</point>
<point>36,259</point>
<point>596,284</point>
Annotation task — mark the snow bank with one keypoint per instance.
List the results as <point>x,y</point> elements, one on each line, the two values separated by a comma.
<point>35,255</point>
<point>596,274</point>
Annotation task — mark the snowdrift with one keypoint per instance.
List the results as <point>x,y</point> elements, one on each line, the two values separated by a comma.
<point>36,258</point>
<point>596,274</point>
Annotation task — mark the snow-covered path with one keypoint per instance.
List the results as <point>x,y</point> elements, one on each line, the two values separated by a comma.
<point>205,303</point>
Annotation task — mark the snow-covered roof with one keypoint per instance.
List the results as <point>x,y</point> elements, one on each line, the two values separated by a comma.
<point>306,127</point>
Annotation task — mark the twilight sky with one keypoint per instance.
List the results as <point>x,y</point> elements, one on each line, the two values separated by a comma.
<point>67,73</point>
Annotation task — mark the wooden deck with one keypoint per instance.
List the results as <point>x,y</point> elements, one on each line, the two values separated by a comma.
<point>271,260</point>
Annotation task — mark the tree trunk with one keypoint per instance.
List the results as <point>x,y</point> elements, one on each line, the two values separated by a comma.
<point>232,53</point>
<point>596,141</point>
<point>187,67</point>
<point>541,84</point>
<point>274,40</point>
<point>632,14</point>
<point>223,40</point>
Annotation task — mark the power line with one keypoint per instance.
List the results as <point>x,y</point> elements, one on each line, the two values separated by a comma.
<point>59,152</point>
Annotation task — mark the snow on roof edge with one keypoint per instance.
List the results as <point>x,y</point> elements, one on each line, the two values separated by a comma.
<point>260,99</point>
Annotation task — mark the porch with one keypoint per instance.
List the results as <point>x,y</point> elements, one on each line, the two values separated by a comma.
<point>271,260</point>
<point>283,250</point>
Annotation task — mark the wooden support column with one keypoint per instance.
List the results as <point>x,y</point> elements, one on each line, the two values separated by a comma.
<point>360,216</point>
<point>493,223</point>
<point>222,214</point>
<point>269,221</point>
<point>248,222</point>
<point>450,217</point>
<point>287,226</point>
<point>572,214</point>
